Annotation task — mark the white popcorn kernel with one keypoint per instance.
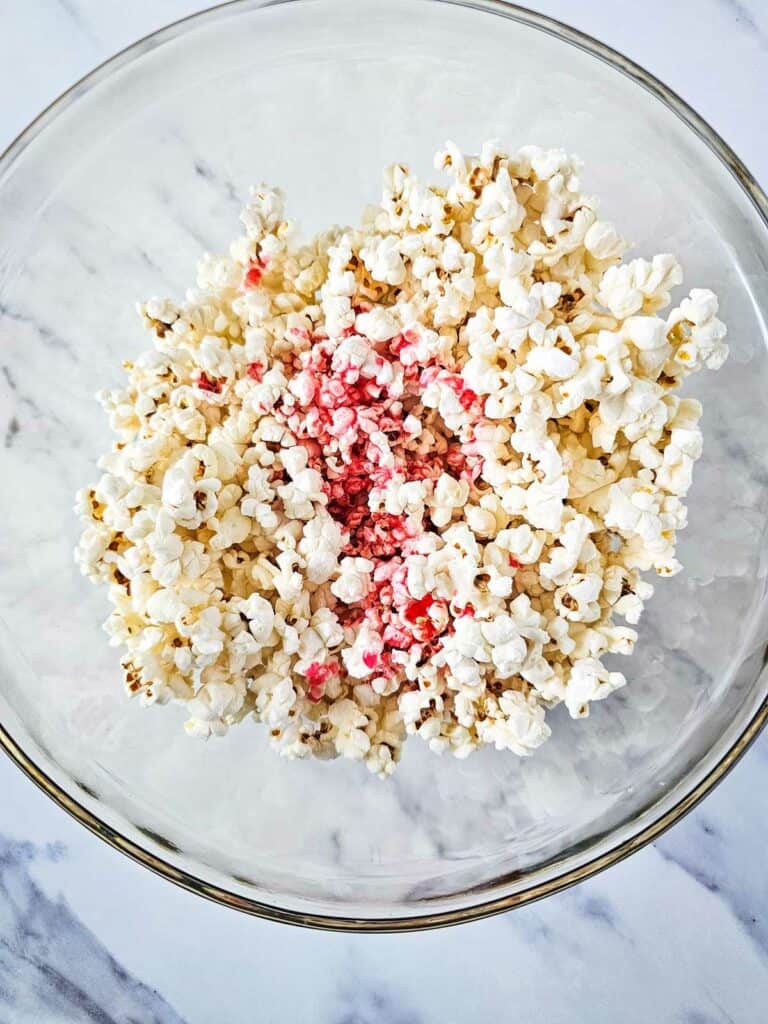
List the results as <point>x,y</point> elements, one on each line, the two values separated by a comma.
<point>449,494</point>
<point>378,325</point>
<point>328,628</point>
<point>232,528</point>
<point>519,727</point>
<point>589,681</point>
<point>603,242</point>
<point>523,543</point>
<point>294,460</point>
<point>261,617</point>
<point>165,606</point>
<point>350,739</point>
<point>577,601</point>
<point>702,333</point>
<point>354,581</point>
<point>552,363</point>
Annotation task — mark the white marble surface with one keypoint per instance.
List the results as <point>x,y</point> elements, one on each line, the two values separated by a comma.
<point>678,933</point>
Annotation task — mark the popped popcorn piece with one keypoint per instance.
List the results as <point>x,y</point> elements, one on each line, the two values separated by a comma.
<point>401,479</point>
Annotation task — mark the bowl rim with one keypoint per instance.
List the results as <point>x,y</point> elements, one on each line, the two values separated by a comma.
<point>646,834</point>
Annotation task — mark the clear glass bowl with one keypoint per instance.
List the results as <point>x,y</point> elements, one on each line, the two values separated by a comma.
<point>109,197</point>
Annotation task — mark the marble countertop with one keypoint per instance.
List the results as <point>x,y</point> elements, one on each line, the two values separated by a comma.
<point>677,933</point>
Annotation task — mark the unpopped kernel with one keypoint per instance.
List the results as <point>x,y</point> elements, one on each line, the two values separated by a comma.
<point>402,479</point>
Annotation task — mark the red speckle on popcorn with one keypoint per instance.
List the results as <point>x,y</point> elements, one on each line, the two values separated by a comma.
<point>317,676</point>
<point>403,341</point>
<point>255,371</point>
<point>211,384</point>
<point>348,408</point>
<point>252,277</point>
<point>417,614</point>
<point>350,417</point>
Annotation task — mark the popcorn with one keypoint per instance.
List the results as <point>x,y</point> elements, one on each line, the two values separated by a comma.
<point>639,285</point>
<point>518,725</point>
<point>259,616</point>
<point>589,681</point>
<point>697,332</point>
<point>351,741</point>
<point>401,480</point>
<point>353,584</point>
<point>449,494</point>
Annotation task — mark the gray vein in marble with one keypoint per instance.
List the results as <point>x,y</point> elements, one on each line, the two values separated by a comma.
<point>697,1017</point>
<point>697,871</point>
<point>12,430</point>
<point>76,17</point>
<point>203,169</point>
<point>697,863</point>
<point>744,16</point>
<point>25,400</point>
<point>597,910</point>
<point>144,255</point>
<point>181,220</point>
<point>416,812</point>
<point>206,172</point>
<point>739,456</point>
<point>77,255</point>
<point>51,966</point>
<point>723,1016</point>
<point>47,335</point>
<point>369,1004</point>
<point>336,847</point>
<point>534,926</point>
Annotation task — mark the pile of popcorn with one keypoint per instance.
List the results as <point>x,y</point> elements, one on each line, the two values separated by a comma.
<point>402,479</point>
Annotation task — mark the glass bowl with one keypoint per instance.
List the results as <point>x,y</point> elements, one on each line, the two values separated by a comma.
<point>110,196</point>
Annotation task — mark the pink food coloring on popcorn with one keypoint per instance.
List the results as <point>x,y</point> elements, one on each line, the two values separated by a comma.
<point>252,277</point>
<point>317,676</point>
<point>340,411</point>
<point>211,384</point>
<point>417,614</point>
